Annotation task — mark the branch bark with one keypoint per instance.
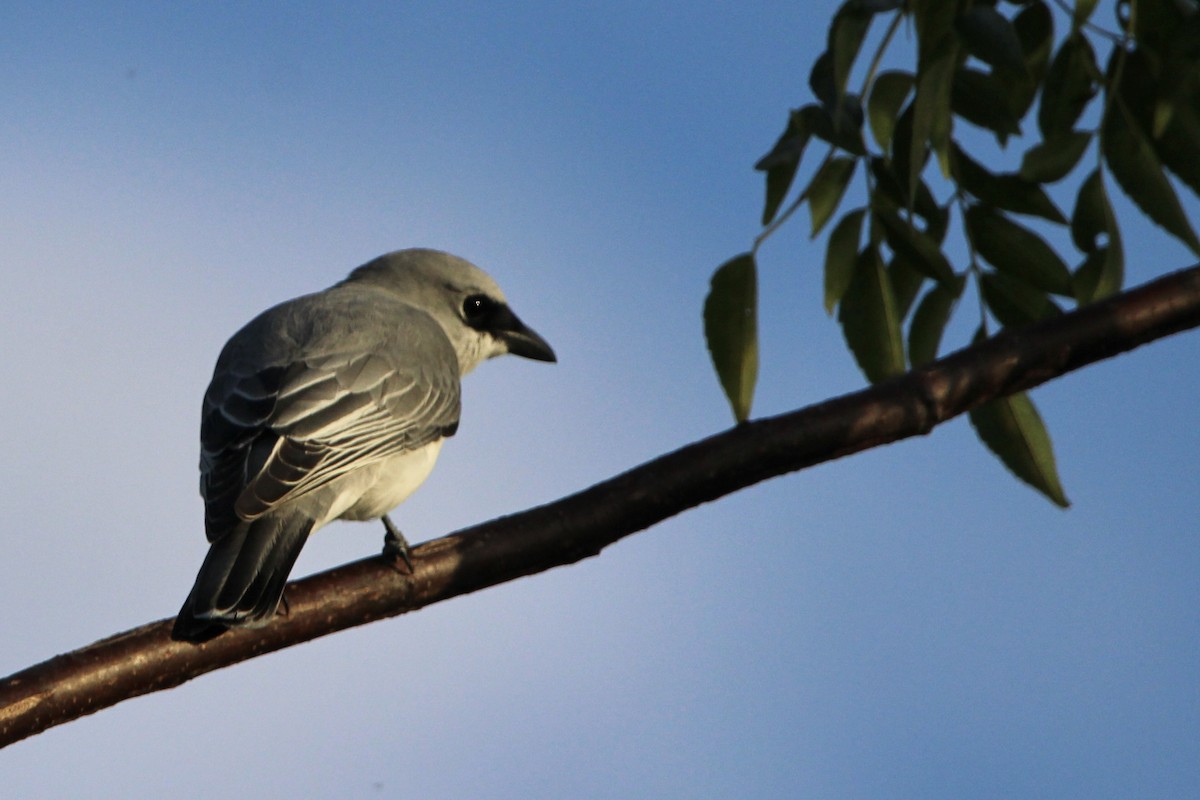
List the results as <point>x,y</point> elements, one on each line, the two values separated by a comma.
<point>145,659</point>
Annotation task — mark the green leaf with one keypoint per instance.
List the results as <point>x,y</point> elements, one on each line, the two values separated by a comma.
<point>935,31</point>
<point>731,329</point>
<point>937,54</point>
<point>922,251</point>
<point>1012,429</point>
<point>888,93</point>
<point>1053,160</point>
<point>827,188</point>
<point>906,283</point>
<point>1007,191</point>
<point>840,256</point>
<point>1140,175</point>
<point>1092,215</point>
<point>1014,302</point>
<point>931,114</point>
<point>991,38</point>
<point>1102,272</point>
<point>978,98</point>
<point>1156,20</point>
<point>1016,250</point>
<point>781,163</point>
<point>1035,29</point>
<point>1169,116</point>
<point>1069,86</point>
<point>821,124</point>
<point>1179,146</point>
<point>869,319</point>
<point>820,80</point>
<point>1083,10</point>
<point>929,323</point>
<point>889,191</point>
<point>846,35</point>
<point>1163,111</point>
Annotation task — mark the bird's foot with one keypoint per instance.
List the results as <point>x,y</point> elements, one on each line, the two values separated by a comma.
<point>395,546</point>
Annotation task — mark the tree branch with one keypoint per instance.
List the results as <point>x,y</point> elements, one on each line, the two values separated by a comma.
<point>145,659</point>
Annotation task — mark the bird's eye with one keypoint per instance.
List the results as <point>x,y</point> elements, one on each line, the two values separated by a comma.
<point>477,307</point>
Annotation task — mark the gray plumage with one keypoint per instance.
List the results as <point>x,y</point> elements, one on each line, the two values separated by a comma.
<point>334,405</point>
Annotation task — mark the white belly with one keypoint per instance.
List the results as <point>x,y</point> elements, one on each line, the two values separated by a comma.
<point>372,491</point>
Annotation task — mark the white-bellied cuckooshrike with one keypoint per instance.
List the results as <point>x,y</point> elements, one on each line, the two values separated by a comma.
<point>334,406</point>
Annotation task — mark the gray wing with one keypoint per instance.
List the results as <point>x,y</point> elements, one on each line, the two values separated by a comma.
<point>316,388</point>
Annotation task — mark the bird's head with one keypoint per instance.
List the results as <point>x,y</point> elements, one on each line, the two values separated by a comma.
<point>462,298</point>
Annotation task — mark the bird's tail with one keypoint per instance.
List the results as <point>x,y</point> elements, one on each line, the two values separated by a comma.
<point>242,578</point>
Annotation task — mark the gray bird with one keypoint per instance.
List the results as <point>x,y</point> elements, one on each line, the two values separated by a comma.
<point>334,406</point>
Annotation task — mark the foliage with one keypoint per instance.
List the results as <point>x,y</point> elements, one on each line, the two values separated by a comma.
<point>984,63</point>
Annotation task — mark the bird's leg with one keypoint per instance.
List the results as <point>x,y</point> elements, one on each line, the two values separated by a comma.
<point>395,546</point>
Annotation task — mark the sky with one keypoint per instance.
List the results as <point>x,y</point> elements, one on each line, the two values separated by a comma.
<point>908,622</point>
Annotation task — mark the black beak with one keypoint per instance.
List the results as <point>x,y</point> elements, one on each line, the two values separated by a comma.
<point>523,340</point>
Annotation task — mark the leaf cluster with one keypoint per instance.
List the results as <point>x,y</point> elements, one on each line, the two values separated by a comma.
<point>986,64</point>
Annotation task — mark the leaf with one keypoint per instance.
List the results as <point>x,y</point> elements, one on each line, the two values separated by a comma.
<point>841,254</point>
<point>922,252</point>
<point>1016,250</point>
<point>1053,160</point>
<point>888,93</point>
<point>1163,111</point>
<point>929,322</point>
<point>1069,86</point>
<point>827,188</point>
<point>1013,301</point>
<point>848,123</point>
<point>731,329</point>
<point>1179,146</point>
<point>977,97</point>
<point>843,132</point>
<point>1083,10</point>
<point>1092,215</point>
<point>1035,28</point>
<point>820,80</point>
<point>1103,270</point>
<point>1100,275</point>
<point>1007,191</point>
<point>935,31</point>
<point>869,319</point>
<point>1139,173</point>
<point>889,191</point>
<point>781,163</point>
<point>991,38</point>
<point>1171,113</point>
<point>931,114</point>
<point>846,35</point>
<point>1156,20</point>
<point>1012,429</point>
<point>906,282</point>
<point>789,147</point>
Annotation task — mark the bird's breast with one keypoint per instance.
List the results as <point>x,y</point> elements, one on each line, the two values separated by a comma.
<point>383,486</point>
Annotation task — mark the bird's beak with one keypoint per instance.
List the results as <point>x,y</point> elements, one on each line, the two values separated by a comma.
<point>522,340</point>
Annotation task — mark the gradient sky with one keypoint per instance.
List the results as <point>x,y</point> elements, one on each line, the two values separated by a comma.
<point>909,622</point>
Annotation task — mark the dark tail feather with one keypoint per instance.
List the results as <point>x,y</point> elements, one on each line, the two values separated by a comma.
<point>242,577</point>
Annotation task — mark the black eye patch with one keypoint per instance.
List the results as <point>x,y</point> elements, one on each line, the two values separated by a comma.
<point>478,309</point>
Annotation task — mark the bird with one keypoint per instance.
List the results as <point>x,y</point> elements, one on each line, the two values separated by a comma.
<point>335,405</point>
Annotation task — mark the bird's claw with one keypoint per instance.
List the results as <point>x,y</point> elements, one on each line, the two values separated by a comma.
<point>395,546</point>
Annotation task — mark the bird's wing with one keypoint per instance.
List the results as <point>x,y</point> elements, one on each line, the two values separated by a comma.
<point>324,399</point>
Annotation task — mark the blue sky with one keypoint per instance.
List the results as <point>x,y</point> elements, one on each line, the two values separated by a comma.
<point>910,622</point>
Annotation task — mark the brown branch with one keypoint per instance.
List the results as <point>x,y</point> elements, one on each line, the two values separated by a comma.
<point>145,659</point>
